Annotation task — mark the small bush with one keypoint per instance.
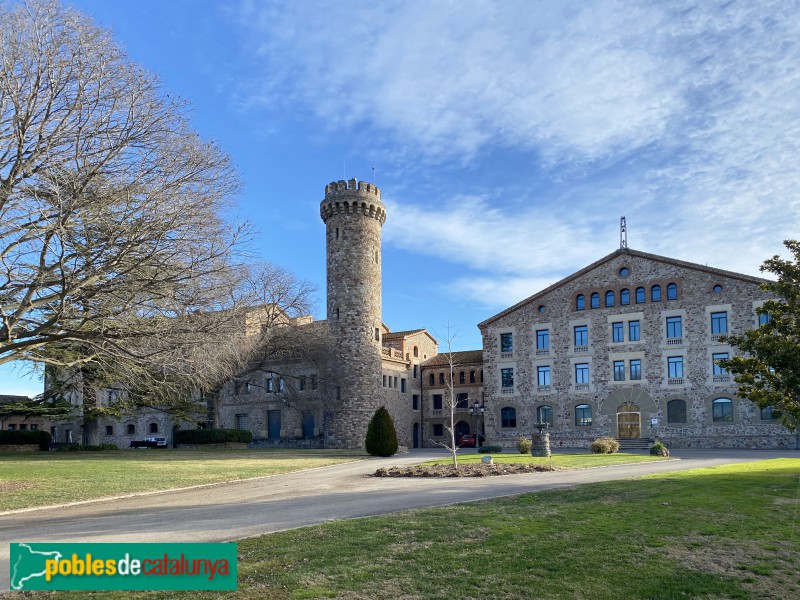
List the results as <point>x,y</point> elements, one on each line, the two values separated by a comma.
<point>490,448</point>
<point>605,445</point>
<point>524,445</point>
<point>381,435</point>
<point>37,436</point>
<point>659,449</point>
<point>213,436</point>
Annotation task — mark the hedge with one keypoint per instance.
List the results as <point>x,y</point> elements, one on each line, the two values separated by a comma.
<point>16,437</point>
<point>213,436</point>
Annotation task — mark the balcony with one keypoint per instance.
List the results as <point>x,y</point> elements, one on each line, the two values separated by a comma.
<point>715,337</point>
<point>722,378</point>
<point>675,381</point>
<point>506,355</point>
<point>543,388</point>
<point>543,352</point>
<point>581,349</point>
<point>582,387</point>
<point>507,390</point>
<point>674,341</point>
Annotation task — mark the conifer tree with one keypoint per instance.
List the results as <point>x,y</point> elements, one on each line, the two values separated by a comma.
<point>381,435</point>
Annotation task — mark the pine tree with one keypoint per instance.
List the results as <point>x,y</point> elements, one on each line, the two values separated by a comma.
<point>381,435</point>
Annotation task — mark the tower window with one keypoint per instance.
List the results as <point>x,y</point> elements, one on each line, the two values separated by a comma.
<point>337,233</point>
<point>377,335</point>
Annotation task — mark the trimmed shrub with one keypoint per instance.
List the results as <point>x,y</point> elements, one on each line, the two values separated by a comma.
<point>37,436</point>
<point>381,435</point>
<point>213,436</point>
<point>490,448</point>
<point>659,449</point>
<point>605,445</point>
<point>88,448</point>
<point>524,445</point>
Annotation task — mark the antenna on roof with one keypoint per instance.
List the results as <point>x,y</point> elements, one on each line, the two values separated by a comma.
<point>623,234</point>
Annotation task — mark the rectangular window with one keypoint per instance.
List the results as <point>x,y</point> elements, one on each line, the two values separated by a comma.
<point>415,372</point>
<point>543,375</point>
<point>506,342</point>
<point>415,402</point>
<point>23,427</point>
<point>581,335</point>
<point>437,402</point>
<point>384,381</point>
<point>507,378</point>
<point>282,385</point>
<point>636,369</point>
<point>764,319</point>
<point>302,382</point>
<point>241,421</point>
<point>109,430</point>
<point>461,401</point>
<point>674,328</point>
<point>633,331</point>
<point>675,367</point>
<point>542,339</point>
<point>582,373</point>
<point>12,427</point>
<point>402,386</point>
<point>270,385</point>
<point>718,370</point>
<point>34,427</point>
<point>719,323</point>
<point>313,382</point>
<point>619,370</point>
<point>617,332</point>
<point>438,430</point>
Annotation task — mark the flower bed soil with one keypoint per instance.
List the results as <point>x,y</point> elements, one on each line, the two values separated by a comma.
<point>470,470</point>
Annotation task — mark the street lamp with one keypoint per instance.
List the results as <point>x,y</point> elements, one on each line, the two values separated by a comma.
<point>477,410</point>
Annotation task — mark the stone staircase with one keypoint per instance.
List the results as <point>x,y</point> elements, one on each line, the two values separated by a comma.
<point>634,444</point>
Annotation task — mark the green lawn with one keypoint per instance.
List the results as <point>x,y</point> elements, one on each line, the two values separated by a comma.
<point>564,461</point>
<point>726,532</point>
<point>42,478</point>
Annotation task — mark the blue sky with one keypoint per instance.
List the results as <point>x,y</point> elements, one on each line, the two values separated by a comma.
<point>507,137</point>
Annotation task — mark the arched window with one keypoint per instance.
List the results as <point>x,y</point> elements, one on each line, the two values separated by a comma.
<point>609,298</point>
<point>461,377</point>
<point>655,293</point>
<point>472,376</point>
<point>672,292</point>
<point>544,414</point>
<point>640,295</point>
<point>722,409</point>
<point>110,429</point>
<point>508,417</point>
<point>131,429</point>
<point>625,297</point>
<point>595,300</point>
<point>580,302</point>
<point>416,352</point>
<point>583,415</point>
<point>153,427</point>
<point>676,411</point>
<point>432,380</point>
<point>441,378</point>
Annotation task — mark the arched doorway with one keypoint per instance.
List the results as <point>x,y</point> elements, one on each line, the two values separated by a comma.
<point>416,435</point>
<point>462,427</point>
<point>629,421</point>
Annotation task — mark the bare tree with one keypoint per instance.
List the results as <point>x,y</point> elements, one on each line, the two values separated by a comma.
<point>450,401</point>
<point>117,256</point>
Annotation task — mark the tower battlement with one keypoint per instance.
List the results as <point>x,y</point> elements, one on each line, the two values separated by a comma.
<point>351,197</point>
<point>352,186</point>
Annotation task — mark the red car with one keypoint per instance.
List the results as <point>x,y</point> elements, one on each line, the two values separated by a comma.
<point>467,440</point>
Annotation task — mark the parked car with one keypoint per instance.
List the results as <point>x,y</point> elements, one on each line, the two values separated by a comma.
<point>150,442</point>
<point>467,440</point>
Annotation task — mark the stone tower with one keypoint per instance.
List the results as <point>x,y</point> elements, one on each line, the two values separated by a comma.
<point>353,215</point>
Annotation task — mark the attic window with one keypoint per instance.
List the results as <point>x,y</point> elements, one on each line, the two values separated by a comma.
<point>541,308</point>
<point>718,288</point>
<point>624,272</point>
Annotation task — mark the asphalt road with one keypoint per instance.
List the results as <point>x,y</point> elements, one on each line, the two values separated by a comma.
<point>242,509</point>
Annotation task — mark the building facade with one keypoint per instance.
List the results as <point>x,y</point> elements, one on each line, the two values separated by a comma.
<point>628,347</point>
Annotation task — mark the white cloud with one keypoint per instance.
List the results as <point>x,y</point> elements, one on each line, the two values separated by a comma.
<point>683,116</point>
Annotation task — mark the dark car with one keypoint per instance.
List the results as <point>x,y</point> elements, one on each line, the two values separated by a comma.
<point>467,440</point>
<point>150,442</point>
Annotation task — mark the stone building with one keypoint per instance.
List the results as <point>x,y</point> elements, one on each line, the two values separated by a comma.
<point>627,347</point>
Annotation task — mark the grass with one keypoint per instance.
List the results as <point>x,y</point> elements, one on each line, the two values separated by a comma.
<point>565,461</point>
<point>726,532</point>
<point>43,478</point>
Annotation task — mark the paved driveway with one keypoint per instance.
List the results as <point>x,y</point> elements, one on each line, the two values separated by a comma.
<point>235,510</point>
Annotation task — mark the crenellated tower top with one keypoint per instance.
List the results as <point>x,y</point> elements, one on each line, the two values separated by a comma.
<point>350,197</point>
